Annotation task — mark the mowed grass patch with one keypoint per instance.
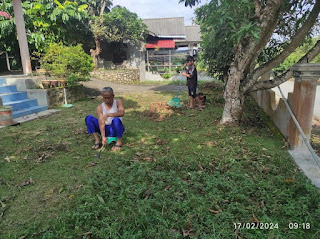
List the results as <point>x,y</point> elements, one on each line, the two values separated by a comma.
<point>182,177</point>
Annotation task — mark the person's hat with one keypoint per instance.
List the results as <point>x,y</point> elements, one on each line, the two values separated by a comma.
<point>190,58</point>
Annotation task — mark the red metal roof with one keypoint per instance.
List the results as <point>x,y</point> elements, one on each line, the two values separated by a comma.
<point>4,14</point>
<point>161,44</point>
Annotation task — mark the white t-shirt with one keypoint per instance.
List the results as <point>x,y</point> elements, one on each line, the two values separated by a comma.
<point>113,109</point>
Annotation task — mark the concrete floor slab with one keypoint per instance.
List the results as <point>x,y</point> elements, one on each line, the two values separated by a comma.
<point>32,116</point>
<point>307,164</point>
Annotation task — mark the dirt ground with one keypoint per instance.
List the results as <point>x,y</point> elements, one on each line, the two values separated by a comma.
<point>94,87</point>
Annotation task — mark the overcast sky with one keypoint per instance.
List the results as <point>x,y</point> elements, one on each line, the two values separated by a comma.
<point>159,8</point>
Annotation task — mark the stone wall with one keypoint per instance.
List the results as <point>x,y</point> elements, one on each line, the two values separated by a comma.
<point>135,59</point>
<point>56,96</point>
<point>125,76</point>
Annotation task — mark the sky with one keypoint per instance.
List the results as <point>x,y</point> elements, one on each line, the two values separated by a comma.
<point>159,8</point>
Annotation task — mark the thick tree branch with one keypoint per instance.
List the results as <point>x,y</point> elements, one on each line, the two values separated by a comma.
<point>312,53</point>
<point>260,46</point>
<point>268,21</point>
<point>257,5</point>
<point>295,42</point>
<point>103,7</point>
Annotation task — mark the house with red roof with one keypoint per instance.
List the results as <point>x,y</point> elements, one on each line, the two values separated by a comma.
<point>169,41</point>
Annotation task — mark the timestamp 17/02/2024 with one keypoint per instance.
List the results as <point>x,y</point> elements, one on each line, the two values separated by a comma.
<point>271,226</point>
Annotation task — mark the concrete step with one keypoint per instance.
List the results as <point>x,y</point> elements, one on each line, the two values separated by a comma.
<point>28,111</point>
<point>8,89</point>
<point>3,81</point>
<point>14,96</point>
<point>22,104</point>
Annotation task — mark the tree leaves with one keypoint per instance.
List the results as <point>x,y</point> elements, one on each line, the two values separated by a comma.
<point>119,25</point>
<point>45,21</point>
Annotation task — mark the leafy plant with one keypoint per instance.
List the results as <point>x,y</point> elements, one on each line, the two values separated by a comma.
<point>296,55</point>
<point>167,74</point>
<point>119,25</point>
<point>70,62</point>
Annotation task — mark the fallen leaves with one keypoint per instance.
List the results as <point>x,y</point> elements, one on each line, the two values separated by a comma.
<point>25,183</point>
<point>92,164</point>
<point>2,204</point>
<point>183,130</point>
<point>288,180</point>
<point>147,193</point>
<point>7,159</point>
<point>158,111</point>
<point>209,144</point>
<point>61,189</point>
<point>101,199</point>
<point>87,235</point>
<point>149,159</point>
<point>217,207</point>
<point>188,231</point>
<point>255,219</point>
<point>162,142</point>
<point>43,156</point>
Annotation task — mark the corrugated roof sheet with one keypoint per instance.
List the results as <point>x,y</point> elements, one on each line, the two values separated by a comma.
<point>193,33</point>
<point>161,44</point>
<point>166,26</point>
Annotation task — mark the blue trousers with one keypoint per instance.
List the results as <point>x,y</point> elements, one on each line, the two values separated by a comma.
<point>116,129</point>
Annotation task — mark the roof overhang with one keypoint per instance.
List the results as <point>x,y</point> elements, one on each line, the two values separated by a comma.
<point>180,37</point>
<point>160,44</point>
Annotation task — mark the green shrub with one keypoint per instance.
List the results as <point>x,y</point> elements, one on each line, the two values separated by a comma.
<point>167,74</point>
<point>70,62</point>
<point>179,69</point>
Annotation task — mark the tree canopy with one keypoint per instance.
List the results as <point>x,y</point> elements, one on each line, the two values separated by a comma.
<point>70,22</point>
<point>119,25</point>
<point>238,34</point>
<point>46,21</point>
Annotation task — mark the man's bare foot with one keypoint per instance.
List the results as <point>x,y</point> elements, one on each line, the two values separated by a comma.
<point>116,147</point>
<point>96,146</point>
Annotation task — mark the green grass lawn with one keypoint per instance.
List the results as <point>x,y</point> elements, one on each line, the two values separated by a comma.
<point>184,176</point>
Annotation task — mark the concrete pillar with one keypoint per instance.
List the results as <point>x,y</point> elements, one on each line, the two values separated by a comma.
<point>305,85</point>
<point>190,46</point>
<point>170,61</point>
<point>22,37</point>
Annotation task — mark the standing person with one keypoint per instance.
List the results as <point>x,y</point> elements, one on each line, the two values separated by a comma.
<point>192,82</point>
<point>109,121</point>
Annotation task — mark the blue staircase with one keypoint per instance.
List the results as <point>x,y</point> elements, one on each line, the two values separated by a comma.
<point>21,104</point>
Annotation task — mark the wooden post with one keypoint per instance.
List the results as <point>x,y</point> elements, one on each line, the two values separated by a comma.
<point>304,93</point>
<point>22,37</point>
<point>170,61</point>
<point>148,65</point>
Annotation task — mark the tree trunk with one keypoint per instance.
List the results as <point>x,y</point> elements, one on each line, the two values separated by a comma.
<point>95,53</point>
<point>234,98</point>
